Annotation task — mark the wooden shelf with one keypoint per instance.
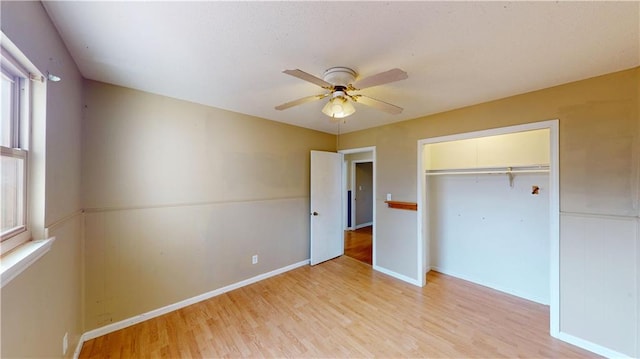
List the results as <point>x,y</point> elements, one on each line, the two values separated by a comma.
<point>410,206</point>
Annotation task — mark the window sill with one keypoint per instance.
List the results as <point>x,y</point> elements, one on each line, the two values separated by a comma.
<point>15,262</point>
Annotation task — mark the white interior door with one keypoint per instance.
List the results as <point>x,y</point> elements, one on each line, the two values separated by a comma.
<point>327,240</point>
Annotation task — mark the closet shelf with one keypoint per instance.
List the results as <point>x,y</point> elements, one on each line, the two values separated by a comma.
<point>509,171</point>
<point>493,170</point>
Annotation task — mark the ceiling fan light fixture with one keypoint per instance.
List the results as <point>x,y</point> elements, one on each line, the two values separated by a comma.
<point>339,81</point>
<point>338,107</point>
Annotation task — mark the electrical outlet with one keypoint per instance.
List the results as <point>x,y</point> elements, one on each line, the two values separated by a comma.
<point>254,259</point>
<point>65,343</point>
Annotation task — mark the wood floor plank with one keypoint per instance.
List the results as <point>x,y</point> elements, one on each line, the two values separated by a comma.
<point>342,308</point>
<point>358,244</point>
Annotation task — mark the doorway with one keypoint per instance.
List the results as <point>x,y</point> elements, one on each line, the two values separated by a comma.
<point>359,188</point>
<point>361,193</point>
<point>358,244</point>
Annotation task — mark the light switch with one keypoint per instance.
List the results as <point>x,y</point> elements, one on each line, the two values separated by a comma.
<point>388,196</point>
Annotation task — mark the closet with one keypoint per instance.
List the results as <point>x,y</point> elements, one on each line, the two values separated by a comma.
<point>488,211</point>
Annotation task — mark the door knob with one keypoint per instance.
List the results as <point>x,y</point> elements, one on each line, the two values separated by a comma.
<point>315,213</point>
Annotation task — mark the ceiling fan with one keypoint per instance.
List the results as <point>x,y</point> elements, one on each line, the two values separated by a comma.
<point>339,81</point>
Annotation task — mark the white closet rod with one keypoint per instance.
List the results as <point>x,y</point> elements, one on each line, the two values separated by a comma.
<point>501,170</point>
<point>484,172</point>
<point>509,171</point>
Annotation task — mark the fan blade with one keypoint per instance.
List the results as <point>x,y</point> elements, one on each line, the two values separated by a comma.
<point>380,79</point>
<point>377,104</point>
<point>309,78</point>
<point>300,101</point>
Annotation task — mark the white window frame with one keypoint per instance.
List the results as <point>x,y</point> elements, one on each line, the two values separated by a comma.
<point>26,248</point>
<point>19,144</point>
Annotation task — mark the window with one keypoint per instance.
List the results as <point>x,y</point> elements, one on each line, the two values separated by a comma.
<point>14,150</point>
<point>23,94</point>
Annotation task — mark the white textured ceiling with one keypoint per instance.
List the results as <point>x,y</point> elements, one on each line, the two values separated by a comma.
<point>230,54</point>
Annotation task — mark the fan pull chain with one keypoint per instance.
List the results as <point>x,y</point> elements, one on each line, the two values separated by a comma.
<point>338,137</point>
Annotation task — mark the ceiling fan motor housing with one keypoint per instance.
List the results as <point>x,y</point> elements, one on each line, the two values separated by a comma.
<point>340,76</point>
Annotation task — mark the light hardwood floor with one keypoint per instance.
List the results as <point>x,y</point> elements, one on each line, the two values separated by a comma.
<point>358,244</point>
<point>342,308</point>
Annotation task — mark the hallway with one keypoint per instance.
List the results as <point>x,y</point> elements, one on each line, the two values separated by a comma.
<point>358,244</point>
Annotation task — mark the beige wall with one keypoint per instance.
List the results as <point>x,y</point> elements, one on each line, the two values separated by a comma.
<point>44,302</point>
<point>598,136</point>
<point>599,176</point>
<point>179,196</point>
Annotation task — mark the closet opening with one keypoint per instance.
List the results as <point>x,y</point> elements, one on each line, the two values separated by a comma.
<point>489,210</point>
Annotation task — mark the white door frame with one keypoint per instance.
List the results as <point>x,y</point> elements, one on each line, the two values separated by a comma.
<point>353,197</point>
<point>371,149</point>
<point>554,207</point>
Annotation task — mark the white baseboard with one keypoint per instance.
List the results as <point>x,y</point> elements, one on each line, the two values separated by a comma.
<point>587,345</point>
<point>584,344</point>
<point>499,288</point>
<point>76,353</point>
<point>362,225</point>
<point>184,303</point>
<point>402,277</point>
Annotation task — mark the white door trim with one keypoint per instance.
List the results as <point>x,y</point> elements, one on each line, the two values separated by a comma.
<point>554,207</point>
<point>371,149</point>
